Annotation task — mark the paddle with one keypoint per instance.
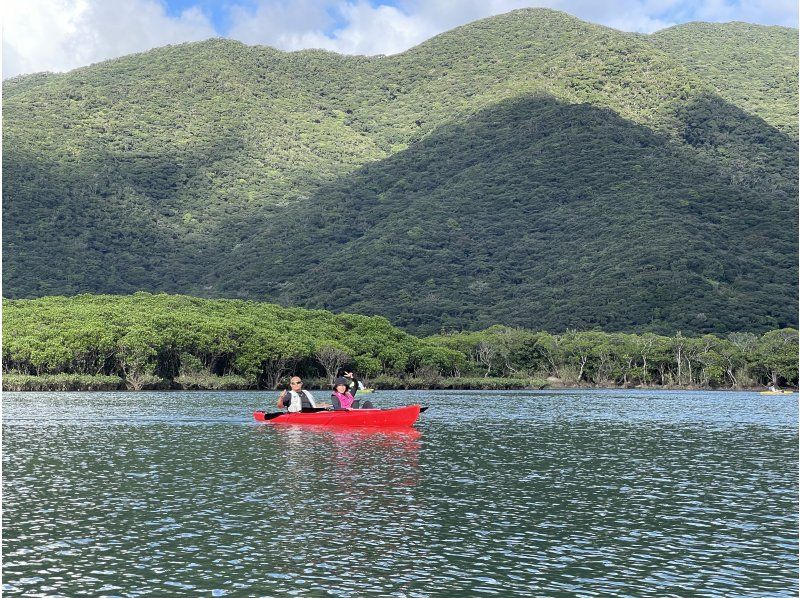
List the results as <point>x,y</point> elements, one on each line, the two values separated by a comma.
<point>272,415</point>
<point>306,410</point>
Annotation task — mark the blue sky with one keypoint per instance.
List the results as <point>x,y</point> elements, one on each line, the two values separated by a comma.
<point>672,12</point>
<point>218,12</point>
<point>60,35</point>
<point>220,16</point>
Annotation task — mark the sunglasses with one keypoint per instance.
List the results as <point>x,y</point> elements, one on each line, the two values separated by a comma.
<point>294,383</point>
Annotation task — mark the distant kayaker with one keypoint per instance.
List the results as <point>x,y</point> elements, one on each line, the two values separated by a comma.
<point>296,398</point>
<point>344,389</point>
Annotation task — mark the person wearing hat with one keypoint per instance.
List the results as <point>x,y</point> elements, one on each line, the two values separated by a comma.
<point>345,388</point>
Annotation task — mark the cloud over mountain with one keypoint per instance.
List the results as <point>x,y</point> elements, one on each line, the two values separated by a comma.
<point>59,35</point>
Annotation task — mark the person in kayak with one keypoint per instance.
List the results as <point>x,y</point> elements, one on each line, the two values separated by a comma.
<point>343,395</point>
<point>349,378</point>
<point>296,398</point>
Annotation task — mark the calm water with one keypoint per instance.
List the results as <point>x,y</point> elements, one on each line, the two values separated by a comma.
<point>619,492</point>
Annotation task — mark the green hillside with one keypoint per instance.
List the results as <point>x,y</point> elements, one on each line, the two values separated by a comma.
<point>751,66</point>
<point>528,169</point>
<point>491,235</point>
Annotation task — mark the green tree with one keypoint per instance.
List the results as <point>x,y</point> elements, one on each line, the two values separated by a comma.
<point>777,353</point>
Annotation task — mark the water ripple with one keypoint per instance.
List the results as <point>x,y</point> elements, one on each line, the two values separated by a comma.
<point>609,492</point>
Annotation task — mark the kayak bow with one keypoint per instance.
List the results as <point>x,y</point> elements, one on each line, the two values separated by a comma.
<point>376,418</point>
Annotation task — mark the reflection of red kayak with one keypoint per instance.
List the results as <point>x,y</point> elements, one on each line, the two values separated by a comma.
<point>373,418</point>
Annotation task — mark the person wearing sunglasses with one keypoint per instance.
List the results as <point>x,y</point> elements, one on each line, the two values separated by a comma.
<point>296,398</point>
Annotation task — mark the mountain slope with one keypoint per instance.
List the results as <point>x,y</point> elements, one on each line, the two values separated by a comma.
<point>524,229</point>
<point>751,66</point>
<point>218,169</point>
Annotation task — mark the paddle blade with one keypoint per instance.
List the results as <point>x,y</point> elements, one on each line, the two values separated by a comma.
<point>262,416</point>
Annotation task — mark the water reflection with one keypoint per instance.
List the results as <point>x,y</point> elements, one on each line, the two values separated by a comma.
<point>501,494</point>
<point>357,470</point>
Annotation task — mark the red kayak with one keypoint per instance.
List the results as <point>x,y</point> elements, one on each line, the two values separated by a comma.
<point>399,417</point>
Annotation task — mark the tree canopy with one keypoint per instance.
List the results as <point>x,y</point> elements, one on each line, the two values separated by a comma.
<point>146,340</point>
<point>529,169</point>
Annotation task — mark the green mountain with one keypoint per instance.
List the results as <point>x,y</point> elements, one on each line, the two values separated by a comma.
<point>751,66</point>
<point>529,169</point>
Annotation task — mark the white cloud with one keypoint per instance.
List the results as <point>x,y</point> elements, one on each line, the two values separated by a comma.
<point>381,30</point>
<point>275,22</point>
<point>345,27</point>
<point>367,29</point>
<point>642,16</point>
<point>777,12</point>
<point>58,35</point>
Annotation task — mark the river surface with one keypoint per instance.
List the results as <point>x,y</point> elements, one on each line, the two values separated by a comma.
<point>508,493</point>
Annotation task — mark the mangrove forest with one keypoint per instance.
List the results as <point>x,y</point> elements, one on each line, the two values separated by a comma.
<point>147,341</point>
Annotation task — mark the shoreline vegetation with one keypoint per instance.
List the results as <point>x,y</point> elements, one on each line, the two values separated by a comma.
<point>13,382</point>
<point>175,342</point>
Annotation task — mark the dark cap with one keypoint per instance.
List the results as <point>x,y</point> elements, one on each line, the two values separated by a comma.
<point>343,381</point>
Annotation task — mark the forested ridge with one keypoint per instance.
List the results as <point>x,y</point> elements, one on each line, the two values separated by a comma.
<point>530,169</point>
